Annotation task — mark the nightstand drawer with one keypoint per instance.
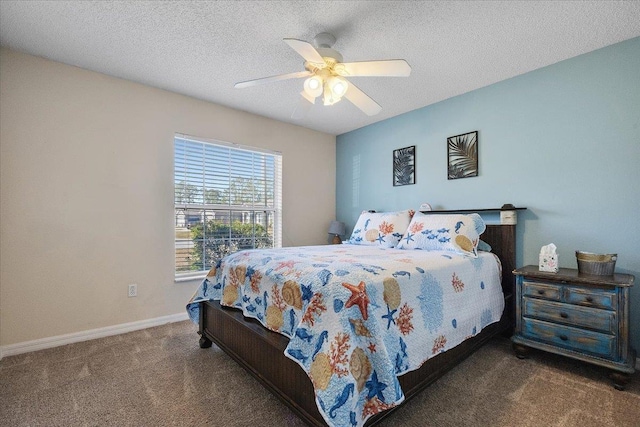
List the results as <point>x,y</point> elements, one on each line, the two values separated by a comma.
<point>592,298</point>
<point>572,338</point>
<point>542,290</point>
<point>586,317</point>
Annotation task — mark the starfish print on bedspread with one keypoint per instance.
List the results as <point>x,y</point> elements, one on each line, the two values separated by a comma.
<point>358,297</point>
<point>389,316</point>
<point>285,264</point>
<point>375,387</point>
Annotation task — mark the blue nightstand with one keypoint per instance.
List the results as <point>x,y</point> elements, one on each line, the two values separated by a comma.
<point>585,317</point>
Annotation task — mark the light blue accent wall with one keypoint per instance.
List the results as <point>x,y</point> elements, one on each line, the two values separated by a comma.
<point>563,141</point>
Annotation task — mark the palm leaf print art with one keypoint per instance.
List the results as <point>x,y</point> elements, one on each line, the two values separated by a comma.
<point>404,166</point>
<point>462,153</point>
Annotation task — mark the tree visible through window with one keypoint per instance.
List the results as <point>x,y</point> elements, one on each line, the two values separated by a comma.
<point>227,198</point>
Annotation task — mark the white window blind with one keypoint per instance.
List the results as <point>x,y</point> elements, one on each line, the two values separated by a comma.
<point>227,198</point>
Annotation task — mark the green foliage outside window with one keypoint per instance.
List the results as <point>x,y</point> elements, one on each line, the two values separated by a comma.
<point>217,239</point>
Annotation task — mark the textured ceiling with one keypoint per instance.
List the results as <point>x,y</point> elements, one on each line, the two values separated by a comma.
<point>202,48</point>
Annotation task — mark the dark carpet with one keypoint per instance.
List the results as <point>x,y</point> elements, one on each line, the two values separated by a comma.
<point>160,377</point>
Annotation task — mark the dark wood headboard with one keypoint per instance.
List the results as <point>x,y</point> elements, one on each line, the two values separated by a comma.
<point>502,239</point>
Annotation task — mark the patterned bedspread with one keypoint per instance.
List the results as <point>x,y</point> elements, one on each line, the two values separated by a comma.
<point>359,316</point>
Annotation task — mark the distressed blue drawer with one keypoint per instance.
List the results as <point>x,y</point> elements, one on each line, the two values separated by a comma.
<point>542,290</point>
<point>591,298</point>
<point>591,318</point>
<point>571,338</point>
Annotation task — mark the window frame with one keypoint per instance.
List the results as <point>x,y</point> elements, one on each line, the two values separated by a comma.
<point>210,210</point>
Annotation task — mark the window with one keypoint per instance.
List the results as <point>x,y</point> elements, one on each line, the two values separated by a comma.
<point>227,198</point>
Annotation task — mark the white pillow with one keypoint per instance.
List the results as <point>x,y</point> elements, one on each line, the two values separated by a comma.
<point>384,229</point>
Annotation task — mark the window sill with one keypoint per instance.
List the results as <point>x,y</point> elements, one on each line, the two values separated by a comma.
<point>199,276</point>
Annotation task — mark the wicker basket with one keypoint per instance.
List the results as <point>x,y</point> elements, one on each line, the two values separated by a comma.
<point>597,264</point>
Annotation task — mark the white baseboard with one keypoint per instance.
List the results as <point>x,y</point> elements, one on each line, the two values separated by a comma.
<point>50,342</point>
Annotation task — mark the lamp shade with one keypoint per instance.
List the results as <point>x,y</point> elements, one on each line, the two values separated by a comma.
<point>313,86</point>
<point>337,228</point>
<point>338,86</point>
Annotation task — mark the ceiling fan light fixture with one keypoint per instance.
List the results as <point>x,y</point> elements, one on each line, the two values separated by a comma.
<point>338,86</point>
<point>327,97</point>
<point>313,86</point>
<point>334,89</point>
<point>311,99</point>
<point>315,83</point>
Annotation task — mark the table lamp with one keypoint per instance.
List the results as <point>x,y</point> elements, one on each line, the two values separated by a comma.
<point>337,229</point>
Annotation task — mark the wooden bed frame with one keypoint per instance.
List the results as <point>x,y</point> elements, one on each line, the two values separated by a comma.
<point>261,352</point>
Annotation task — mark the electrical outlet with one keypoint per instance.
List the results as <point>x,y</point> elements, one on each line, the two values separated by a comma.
<point>133,290</point>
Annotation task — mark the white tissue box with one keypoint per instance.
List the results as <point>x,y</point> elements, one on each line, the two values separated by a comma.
<point>549,262</point>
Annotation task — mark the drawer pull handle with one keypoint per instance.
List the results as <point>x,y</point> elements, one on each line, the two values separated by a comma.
<point>564,315</point>
<point>540,292</point>
<point>563,337</point>
<point>589,299</point>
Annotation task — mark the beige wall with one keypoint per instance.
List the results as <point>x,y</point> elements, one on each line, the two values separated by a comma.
<point>86,196</point>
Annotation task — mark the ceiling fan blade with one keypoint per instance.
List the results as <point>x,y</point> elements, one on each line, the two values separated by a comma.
<point>255,82</point>
<point>304,105</point>
<point>391,68</point>
<point>306,50</point>
<point>362,100</point>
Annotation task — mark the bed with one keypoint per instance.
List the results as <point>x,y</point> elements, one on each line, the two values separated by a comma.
<point>284,351</point>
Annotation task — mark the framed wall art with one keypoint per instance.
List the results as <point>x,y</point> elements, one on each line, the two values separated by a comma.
<point>404,166</point>
<point>462,155</point>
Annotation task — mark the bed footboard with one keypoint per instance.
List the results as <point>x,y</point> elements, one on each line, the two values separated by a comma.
<point>261,353</point>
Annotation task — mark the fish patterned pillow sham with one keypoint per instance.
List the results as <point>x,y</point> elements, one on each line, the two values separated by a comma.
<point>382,229</point>
<point>452,232</point>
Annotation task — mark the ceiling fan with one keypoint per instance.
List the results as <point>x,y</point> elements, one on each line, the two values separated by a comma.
<point>325,73</point>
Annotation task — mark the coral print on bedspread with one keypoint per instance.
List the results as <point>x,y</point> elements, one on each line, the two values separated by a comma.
<point>359,316</point>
